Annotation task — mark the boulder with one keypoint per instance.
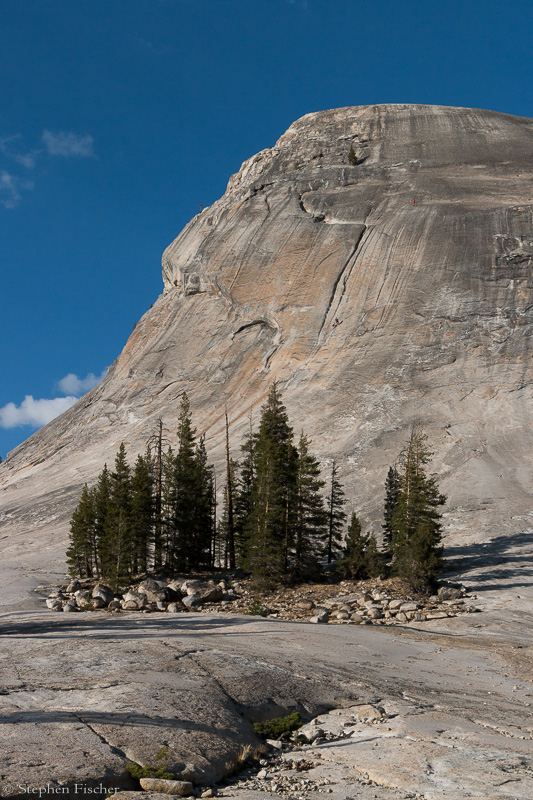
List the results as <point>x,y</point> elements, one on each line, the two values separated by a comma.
<point>321,615</point>
<point>168,787</point>
<point>370,713</point>
<point>82,597</point>
<point>192,600</point>
<point>73,587</point>
<point>98,602</point>
<point>409,607</point>
<point>394,604</point>
<point>374,613</point>
<point>342,615</point>
<point>449,593</point>
<point>173,608</point>
<point>70,606</point>
<point>104,592</point>
<point>153,590</point>
<point>135,600</point>
<point>54,604</point>
<point>114,605</point>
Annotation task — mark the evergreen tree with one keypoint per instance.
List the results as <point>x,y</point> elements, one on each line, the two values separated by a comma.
<point>142,517</point>
<point>361,557</point>
<point>311,517</point>
<point>81,550</point>
<point>201,545</point>
<point>392,494</point>
<point>229,496</point>
<point>182,555</point>
<point>336,515</point>
<point>102,504</point>
<point>269,523</point>
<point>416,527</point>
<point>244,481</point>
<point>352,158</point>
<point>222,554</point>
<point>118,524</point>
<point>353,561</point>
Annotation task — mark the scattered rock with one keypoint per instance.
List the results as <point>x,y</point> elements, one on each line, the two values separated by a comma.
<point>104,592</point>
<point>166,787</point>
<point>54,604</point>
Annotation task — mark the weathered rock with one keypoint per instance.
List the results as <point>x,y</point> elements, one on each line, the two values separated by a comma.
<point>70,606</point>
<point>153,591</point>
<point>73,587</point>
<point>103,592</point>
<point>133,600</point>
<point>408,607</point>
<point>449,593</point>
<point>114,605</point>
<point>374,613</point>
<point>82,597</point>
<point>54,604</point>
<point>167,787</point>
<point>342,615</point>
<point>173,608</point>
<point>370,713</point>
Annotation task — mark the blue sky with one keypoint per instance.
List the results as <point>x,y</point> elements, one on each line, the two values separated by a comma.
<point>118,118</point>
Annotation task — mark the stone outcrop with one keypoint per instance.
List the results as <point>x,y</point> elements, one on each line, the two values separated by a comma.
<point>422,250</point>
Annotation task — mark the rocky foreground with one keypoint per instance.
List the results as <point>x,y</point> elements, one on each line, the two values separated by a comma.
<point>374,602</point>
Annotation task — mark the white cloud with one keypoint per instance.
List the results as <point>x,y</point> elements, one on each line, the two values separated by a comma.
<point>34,412</point>
<point>71,384</point>
<point>8,146</point>
<point>10,188</point>
<point>68,144</point>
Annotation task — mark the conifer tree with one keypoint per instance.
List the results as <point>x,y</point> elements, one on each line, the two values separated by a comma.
<point>81,550</point>
<point>118,523</point>
<point>269,523</point>
<point>336,515</point>
<point>392,494</point>
<point>361,557</point>
<point>310,517</point>
<point>352,158</point>
<point>222,553</point>
<point>142,516</point>
<point>229,496</point>
<point>416,536</point>
<point>182,555</point>
<point>201,544</point>
<point>244,481</point>
<point>102,505</point>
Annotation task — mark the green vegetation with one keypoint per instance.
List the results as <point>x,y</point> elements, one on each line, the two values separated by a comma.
<point>415,520</point>
<point>257,609</point>
<point>280,727</point>
<point>149,771</point>
<point>276,520</point>
<point>352,158</point>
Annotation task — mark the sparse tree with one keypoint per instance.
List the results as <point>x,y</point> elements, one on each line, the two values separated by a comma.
<point>416,526</point>
<point>336,515</point>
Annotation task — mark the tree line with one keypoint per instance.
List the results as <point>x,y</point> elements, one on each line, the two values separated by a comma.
<point>280,520</point>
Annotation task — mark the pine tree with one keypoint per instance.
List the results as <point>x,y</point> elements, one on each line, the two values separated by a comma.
<point>102,503</point>
<point>222,553</point>
<point>118,525</point>
<point>229,496</point>
<point>352,158</point>
<point>244,481</point>
<point>201,545</point>
<point>392,494</point>
<point>311,517</point>
<point>374,562</point>
<point>353,562</point>
<point>269,523</point>
<point>81,550</point>
<point>336,515</point>
<point>182,555</point>
<point>142,516</point>
<point>416,551</point>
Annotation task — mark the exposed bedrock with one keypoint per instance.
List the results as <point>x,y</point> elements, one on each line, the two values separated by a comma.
<point>423,251</point>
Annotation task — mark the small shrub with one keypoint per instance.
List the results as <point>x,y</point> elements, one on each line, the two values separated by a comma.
<point>257,609</point>
<point>280,727</point>
<point>149,771</point>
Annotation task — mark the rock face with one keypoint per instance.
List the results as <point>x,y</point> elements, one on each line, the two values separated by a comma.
<point>422,250</point>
